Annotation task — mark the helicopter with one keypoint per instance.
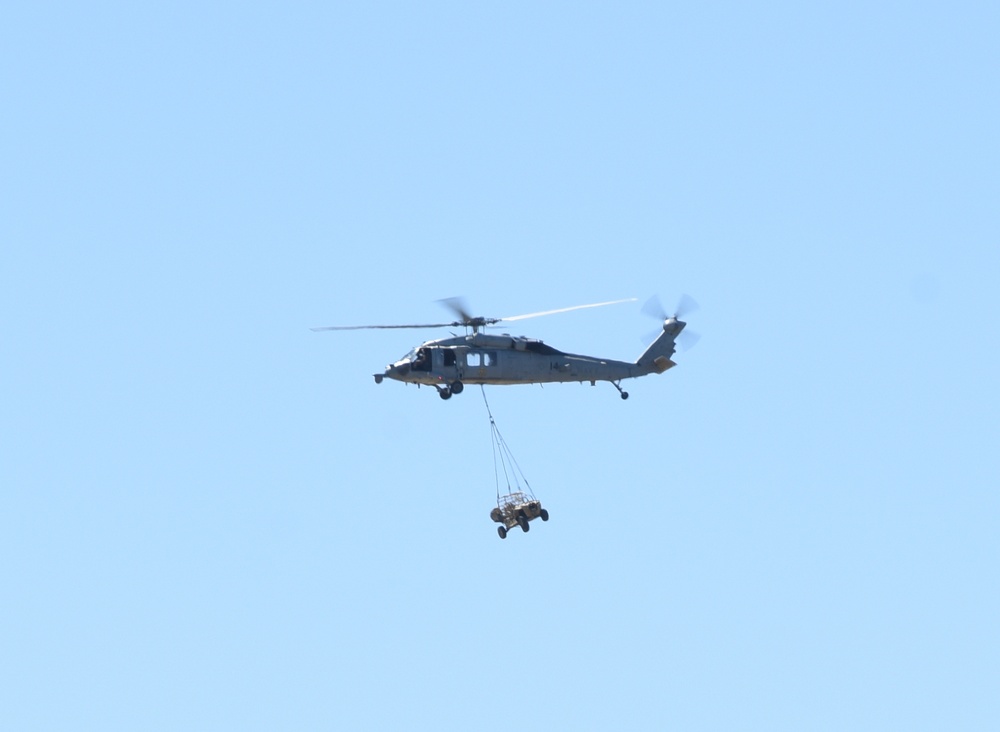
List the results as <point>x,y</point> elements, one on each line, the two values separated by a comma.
<point>448,364</point>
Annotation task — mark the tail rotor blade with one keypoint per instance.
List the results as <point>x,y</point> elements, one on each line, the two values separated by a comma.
<point>685,306</point>
<point>688,339</point>
<point>654,308</point>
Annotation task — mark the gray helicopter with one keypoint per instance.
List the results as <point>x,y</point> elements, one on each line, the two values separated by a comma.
<point>448,364</point>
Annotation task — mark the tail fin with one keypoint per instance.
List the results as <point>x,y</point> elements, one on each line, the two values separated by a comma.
<point>656,358</point>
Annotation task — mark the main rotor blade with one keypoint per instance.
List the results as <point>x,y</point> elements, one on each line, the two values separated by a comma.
<point>565,310</point>
<point>457,305</point>
<point>382,327</point>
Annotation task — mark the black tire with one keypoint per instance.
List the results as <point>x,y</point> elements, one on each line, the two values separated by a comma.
<point>624,395</point>
<point>502,531</point>
<point>444,393</point>
<point>457,387</point>
<point>543,515</point>
<point>524,524</point>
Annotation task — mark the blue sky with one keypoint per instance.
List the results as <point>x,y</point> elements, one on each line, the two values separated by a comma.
<point>214,519</point>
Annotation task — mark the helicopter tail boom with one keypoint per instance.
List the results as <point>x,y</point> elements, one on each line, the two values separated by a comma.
<point>656,358</point>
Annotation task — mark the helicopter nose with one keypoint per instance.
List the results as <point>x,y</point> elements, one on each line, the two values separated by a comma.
<point>397,370</point>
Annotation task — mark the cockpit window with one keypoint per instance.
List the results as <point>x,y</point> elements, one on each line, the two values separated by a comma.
<point>422,362</point>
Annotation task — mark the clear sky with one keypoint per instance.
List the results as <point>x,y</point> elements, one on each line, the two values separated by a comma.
<point>213,519</point>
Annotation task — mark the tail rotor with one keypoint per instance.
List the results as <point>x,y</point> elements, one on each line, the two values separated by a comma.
<point>685,306</point>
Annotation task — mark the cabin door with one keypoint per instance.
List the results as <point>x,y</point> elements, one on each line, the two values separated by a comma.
<point>482,364</point>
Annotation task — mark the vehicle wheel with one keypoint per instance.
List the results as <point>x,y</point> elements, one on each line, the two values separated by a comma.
<point>444,393</point>
<point>524,524</point>
<point>502,531</point>
<point>624,395</point>
<point>457,387</point>
<point>544,515</point>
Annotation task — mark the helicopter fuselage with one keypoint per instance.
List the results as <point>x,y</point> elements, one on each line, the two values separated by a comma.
<point>481,358</point>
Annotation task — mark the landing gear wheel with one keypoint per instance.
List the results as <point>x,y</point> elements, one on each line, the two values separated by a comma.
<point>502,531</point>
<point>444,393</point>
<point>543,515</point>
<point>624,395</point>
<point>457,387</point>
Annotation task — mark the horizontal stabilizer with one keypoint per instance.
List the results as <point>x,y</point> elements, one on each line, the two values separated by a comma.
<point>662,363</point>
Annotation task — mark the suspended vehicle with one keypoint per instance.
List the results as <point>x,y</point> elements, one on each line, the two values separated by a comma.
<point>517,509</point>
<point>517,506</point>
<point>448,364</point>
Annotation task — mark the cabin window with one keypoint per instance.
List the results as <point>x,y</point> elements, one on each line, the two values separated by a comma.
<point>477,359</point>
<point>449,357</point>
